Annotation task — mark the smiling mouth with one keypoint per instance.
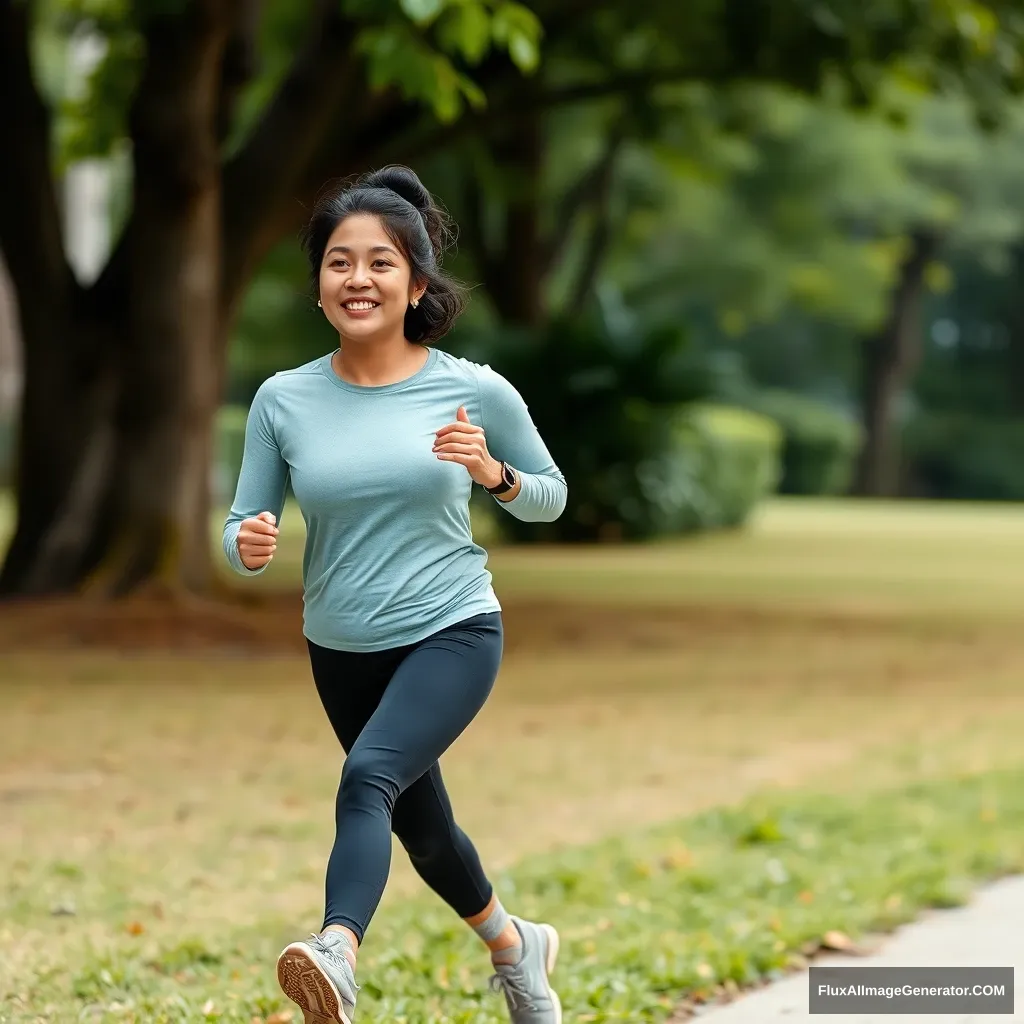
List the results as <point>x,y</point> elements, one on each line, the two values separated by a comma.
<point>359,305</point>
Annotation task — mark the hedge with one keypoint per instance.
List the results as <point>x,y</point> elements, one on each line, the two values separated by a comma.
<point>820,443</point>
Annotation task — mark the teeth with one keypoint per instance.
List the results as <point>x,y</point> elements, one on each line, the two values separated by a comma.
<point>361,305</point>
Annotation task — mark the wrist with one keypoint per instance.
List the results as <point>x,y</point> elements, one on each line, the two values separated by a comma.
<point>494,475</point>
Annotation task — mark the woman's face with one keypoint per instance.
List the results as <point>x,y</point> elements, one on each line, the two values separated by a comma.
<point>365,282</point>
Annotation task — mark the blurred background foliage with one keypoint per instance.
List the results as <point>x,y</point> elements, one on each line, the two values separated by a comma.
<point>750,250</point>
<point>723,250</point>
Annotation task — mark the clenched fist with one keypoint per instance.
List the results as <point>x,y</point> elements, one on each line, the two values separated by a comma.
<point>257,540</point>
<point>465,442</point>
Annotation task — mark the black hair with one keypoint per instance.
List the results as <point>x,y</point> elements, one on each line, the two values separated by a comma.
<point>414,221</point>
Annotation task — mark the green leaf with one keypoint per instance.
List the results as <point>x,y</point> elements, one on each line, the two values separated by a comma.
<point>517,28</point>
<point>524,52</point>
<point>466,29</point>
<point>472,92</point>
<point>422,11</point>
<point>401,58</point>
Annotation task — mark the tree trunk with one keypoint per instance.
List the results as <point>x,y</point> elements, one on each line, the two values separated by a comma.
<point>122,382</point>
<point>1014,320</point>
<point>889,359</point>
<point>512,267</point>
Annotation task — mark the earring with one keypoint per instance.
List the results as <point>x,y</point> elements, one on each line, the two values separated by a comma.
<point>415,303</point>
<point>319,303</point>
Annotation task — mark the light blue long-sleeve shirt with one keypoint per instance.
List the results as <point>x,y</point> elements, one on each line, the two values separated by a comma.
<point>389,556</point>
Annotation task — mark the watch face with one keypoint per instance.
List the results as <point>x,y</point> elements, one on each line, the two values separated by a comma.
<point>509,476</point>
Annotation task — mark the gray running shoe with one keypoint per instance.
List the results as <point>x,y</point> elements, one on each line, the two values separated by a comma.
<point>318,976</point>
<point>527,990</point>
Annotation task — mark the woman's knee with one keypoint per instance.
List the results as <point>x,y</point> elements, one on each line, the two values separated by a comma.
<point>369,778</point>
<point>424,847</point>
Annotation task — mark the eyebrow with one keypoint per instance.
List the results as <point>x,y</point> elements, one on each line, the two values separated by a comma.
<point>346,249</point>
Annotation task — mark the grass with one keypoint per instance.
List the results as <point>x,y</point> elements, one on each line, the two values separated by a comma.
<point>916,559</point>
<point>181,803</point>
<point>720,901</point>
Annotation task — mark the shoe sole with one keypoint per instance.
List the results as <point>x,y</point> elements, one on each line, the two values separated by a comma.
<point>305,984</point>
<point>554,944</point>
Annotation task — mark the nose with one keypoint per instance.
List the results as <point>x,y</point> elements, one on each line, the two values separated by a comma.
<point>359,275</point>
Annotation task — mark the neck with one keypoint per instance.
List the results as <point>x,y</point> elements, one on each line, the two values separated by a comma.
<point>375,363</point>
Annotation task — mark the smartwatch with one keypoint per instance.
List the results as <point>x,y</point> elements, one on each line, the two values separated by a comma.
<point>508,480</point>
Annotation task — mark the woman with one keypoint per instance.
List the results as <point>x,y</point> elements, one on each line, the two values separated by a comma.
<point>383,439</point>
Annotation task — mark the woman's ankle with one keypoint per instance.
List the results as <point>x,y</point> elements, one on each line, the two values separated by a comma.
<point>496,929</point>
<point>351,945</point>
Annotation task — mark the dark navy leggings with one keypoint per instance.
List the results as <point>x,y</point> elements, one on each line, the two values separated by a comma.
<point>395,713</point>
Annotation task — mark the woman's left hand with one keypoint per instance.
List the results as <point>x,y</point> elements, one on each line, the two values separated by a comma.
<point>465,443</point>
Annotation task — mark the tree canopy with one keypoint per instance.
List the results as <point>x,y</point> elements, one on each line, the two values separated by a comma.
<point>226,117</point>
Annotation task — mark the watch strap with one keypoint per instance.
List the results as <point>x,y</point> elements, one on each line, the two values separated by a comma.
<point>508,480</point>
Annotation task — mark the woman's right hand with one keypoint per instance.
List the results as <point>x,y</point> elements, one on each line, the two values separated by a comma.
<point>257,540</point>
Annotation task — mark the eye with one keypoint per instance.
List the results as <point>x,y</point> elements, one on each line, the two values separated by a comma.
<point>381,263</point>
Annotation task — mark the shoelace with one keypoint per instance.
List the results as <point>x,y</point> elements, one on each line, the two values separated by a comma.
<point>332,951</point>
<point>514,987</point>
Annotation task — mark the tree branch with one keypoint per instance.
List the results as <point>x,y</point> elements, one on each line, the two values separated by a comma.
<point>267,170</point>
<point>472,227</point>
<point>240,62</point>
<point>173,115</point>
<point>30,224</point>
<point>601,235</point>
<point>511,107</point>
<point>590,187</point>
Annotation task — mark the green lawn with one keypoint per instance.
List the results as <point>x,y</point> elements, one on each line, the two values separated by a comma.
<point>909,558</point>
<point>917,559</point>
<point>181,803</point>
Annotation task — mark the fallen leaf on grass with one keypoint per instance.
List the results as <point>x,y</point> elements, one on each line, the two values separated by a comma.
<point>838,941</point>
<point>678,857</point>
<point>135,928</point>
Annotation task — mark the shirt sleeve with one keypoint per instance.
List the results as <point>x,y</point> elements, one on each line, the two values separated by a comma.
<point>262,479</point>
<point>513,437</point>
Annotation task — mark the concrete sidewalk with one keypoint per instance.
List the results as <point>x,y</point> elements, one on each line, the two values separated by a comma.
<point>988,932</point>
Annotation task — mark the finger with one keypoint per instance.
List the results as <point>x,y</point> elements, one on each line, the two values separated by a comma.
<point>459,449</point>
<point>256,552</point>
<point>462,416</point>
<point>463,428</point>
<point>459,457</point>
<point>458,437</point>
<point>268,517</point>
<point>258,540</point>
<point>260,526</point>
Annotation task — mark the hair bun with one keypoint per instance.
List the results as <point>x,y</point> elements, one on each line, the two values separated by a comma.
<point>405,182</point>
<point>402,180</point>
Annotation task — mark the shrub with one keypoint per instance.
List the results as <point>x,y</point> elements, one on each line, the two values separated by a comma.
<point>732,459</point>
<point>820,443</point>
<point>961,456</point>
<point>606,405</point>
